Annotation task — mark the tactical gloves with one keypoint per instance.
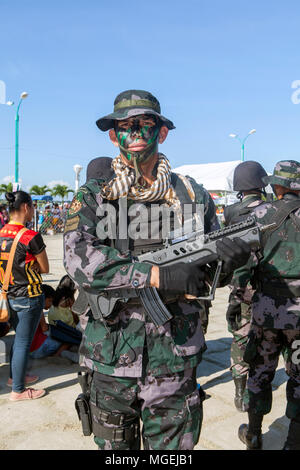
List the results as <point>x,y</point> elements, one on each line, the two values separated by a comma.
<point>234,253</point>
<point>188,278</point>
<point>184,278</point>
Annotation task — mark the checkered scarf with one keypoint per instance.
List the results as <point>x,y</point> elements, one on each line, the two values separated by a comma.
<point>124,184</point>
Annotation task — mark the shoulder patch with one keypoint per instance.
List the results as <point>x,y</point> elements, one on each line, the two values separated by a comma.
<point>76,204</point>
<point>83,190</point>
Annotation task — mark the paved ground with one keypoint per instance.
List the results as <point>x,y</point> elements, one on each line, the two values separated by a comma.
<point>51,423</point>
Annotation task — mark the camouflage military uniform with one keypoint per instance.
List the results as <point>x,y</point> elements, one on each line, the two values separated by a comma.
<point>139,371</point>
<point>276,301</point>
<point>128,345</point>
<point>238,366</point>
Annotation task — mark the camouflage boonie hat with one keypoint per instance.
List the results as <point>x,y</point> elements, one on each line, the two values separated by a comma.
<point>132,103</point>
<point>286,173</point>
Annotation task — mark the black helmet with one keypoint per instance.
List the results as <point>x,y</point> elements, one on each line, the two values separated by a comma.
<point>249,175</point>
<point>100,168</point>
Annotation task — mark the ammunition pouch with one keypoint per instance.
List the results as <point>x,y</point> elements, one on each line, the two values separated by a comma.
<point>126,428</point>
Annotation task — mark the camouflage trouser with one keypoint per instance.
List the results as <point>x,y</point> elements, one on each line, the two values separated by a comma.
<point>262,353</point>
<point>238,366</point>
<point>169,408</point>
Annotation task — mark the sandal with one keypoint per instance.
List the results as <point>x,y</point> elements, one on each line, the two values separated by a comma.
<point>29,379</point>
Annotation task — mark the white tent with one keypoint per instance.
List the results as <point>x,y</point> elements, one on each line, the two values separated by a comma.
<point>213,176</point>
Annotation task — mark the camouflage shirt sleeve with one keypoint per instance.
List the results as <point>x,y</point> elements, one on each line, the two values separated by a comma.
<point>211,222</point>
<point>242,278</point>
<point>91,262</point>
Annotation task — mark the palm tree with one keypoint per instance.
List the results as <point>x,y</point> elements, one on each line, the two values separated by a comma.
<point>6,188</point>
<point>61,190</point>
<point>39,190</point>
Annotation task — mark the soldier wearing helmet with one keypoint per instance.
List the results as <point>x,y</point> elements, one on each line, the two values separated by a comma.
<point>248,181</point>
<point>275,313</point>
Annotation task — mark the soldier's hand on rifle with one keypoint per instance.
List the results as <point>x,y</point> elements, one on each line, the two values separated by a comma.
<point>234,253</point>
<point>181,278</point>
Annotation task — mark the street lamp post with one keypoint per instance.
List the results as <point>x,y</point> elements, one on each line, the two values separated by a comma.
<point>22,97</point>
<point>8,103</point>
<point>242,142</point>
<point>77,168</point>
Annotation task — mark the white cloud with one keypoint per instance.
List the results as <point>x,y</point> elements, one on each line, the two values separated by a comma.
<point>53,183</point>
<point>7,179</point>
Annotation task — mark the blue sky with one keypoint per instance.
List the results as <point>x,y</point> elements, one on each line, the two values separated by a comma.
<point>216,67</point>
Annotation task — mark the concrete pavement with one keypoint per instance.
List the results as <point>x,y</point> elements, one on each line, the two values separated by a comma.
<point>51,423</point>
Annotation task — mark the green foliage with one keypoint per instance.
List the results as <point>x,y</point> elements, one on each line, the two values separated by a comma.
<point>61,191</point>
<point>6,188</point>
<point>39,190</point>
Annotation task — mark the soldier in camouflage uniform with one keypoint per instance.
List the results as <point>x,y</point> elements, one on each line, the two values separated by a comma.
<point>139,371</point>
<point>275,306</point>
<point>247,180</point>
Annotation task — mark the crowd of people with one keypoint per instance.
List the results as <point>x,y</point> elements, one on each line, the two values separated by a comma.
<point>138,368</point>
<point>48,219</point>
<point>51,218</point>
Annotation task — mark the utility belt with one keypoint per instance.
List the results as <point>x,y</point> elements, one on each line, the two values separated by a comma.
<point>278,288</point>
<point>94,419</point>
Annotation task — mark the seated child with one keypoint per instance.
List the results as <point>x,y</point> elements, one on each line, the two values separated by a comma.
<point>62,303</point>
<point>43,345</point>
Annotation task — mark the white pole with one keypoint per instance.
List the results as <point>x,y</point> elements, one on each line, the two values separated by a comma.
<point>77,168</point>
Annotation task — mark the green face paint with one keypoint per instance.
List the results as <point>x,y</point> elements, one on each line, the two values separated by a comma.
<point>123,140</point>
<point>135,133</point>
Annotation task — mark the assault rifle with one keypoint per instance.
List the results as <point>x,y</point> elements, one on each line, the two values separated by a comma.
<point>187,249</point>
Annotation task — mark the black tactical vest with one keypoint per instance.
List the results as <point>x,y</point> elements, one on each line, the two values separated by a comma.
<point>149,222</point>
<point>240,210</point>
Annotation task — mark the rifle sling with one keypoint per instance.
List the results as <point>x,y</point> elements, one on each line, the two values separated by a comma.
<point>285,209</point>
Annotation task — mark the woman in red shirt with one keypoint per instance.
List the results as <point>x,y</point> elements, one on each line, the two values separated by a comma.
<point>25,294</point>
